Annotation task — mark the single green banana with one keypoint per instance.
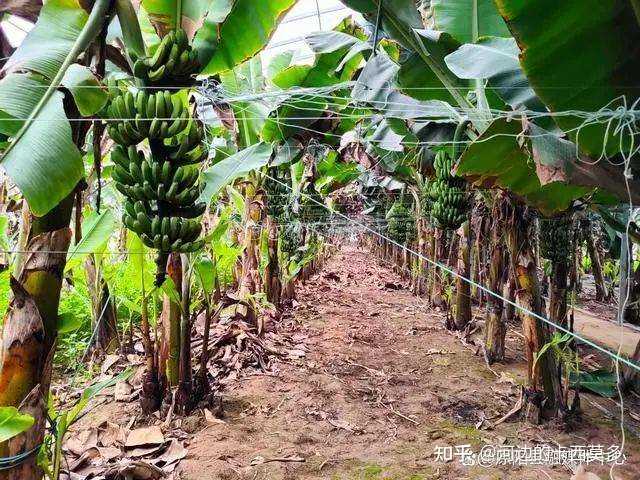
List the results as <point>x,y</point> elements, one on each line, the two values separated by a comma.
<point>136,172</point>
<point>156,224</point>
<point>120,175</point>
<point>161,53</point>
<point>151,107</point>
<point>157,74</point>
<point>160,106</point>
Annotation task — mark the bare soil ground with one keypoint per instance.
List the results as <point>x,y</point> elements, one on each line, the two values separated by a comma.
<point>376,386</point>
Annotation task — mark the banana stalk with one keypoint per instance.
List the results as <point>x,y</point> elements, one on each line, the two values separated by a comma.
<point>169,341</point>
<point>543,390</point>
<point>463,289</point>
<point>29,329</point>
<point>495,326</point>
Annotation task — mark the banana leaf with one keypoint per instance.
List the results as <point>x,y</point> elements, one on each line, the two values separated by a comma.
<point>97,229</point>
<point>334,64</point>
<point>468,20</point>
<point>47,45</point>
<point>42,158</point>
<point>601,382</point>
<point>495,60</point>
<point>579,55</point>
<point>226,171</point>
<point>497,160</point>
<point>85,88</point>
<point>245,31</point>
<point>401,20</point>
<point>164,14</point>
<point>13,423</point>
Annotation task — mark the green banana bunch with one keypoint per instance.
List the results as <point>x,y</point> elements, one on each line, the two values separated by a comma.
<point>156,116</point>
<point>450,201</point>
<point>161,203</point>
<point>291,237</point>
<point>426,202</point>
<point>161,189</point>
<point>555,237</point>
<point>173,63</point>
<point>148,180</point>
<point>401,224</point>
<point>167,234</point>
<point>278,195</point>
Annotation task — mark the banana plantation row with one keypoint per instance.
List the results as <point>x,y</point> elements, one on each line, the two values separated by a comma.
<point>158,174</point>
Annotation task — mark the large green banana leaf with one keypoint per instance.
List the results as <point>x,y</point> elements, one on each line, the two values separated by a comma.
<point>46,46</point>
<point>42,158</point>
<point>402,21</point>
<point>496,60</point>
<point>85,88</point>
<point>206,39</point>
<point>421,83</point>
<point>97,229</point>
<point>497,159</point>
<point>227,170</point>
<point>468,20</point>
<point>163,14</point>
<point>44,163</point>
<point>19,95</point>
<point>245,31</point>
<point>578,55</point>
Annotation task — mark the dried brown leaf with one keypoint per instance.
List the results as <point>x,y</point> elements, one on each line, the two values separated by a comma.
<point>140,452</point>
<point>137,470</point>
<point>112,434</point>
<point>145,437</point>
<point>109,361</point>
<point>174,453</point>
<point>109,453</point>
<point>87,458</point>
<point>82,442</point>
<point>122,392</point>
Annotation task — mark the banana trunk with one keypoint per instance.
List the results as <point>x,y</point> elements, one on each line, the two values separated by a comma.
<point>169,348</point>
<point>543,392</point>
<point>596,265</point>
<point>30,330</point>
<point>495,326</point>
<point>463,289</point>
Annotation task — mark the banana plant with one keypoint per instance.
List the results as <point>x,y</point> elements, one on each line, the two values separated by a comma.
<point>167,44</point>
<point>568,77</point>
<point>490,56</point>
<point>43,158</point>
<point>42,150</point>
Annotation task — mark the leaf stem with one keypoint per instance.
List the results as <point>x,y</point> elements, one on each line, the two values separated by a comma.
<point>477,117</point>
<point>132,35</point>
<point>178,14</point>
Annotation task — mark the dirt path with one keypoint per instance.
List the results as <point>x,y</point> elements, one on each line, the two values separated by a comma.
<point>380,387</point>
